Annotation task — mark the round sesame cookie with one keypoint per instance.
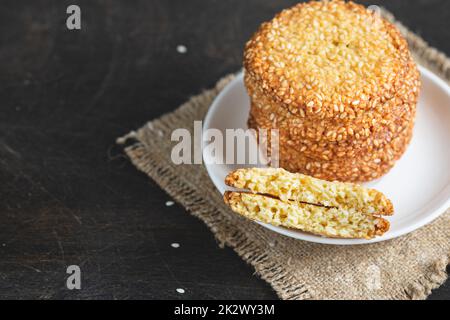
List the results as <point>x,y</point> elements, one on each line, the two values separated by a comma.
<point>361,168</point>
<point>354,166</point>
<point>389,118</point>
<point>340,85</point>
<point>331,151</point>
<point>326,56</point>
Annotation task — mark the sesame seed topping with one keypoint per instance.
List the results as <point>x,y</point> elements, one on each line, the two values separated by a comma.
<point>340,85</point>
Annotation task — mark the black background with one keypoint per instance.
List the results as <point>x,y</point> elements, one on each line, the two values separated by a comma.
<point>67,193</point>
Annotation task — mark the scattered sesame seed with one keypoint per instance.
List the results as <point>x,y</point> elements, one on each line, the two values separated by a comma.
<point>181,49</point>
<point>175,245</point>
<point>180,290</point>
<point>169,203</point>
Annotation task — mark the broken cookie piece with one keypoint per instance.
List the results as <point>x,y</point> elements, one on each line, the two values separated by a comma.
<point>331,209</point>
<point>301,188</point>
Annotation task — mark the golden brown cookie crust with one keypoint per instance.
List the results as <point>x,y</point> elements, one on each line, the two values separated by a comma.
<point>326,56</point>
<point>353,166</point>
<point>333,126</point>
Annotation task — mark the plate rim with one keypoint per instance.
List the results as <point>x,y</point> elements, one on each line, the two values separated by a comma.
<point>303,236</point>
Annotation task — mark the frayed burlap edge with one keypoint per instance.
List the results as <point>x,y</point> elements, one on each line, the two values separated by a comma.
<point>273,272</point>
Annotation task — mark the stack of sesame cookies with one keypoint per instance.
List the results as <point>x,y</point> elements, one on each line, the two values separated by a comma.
<point>340,85</point>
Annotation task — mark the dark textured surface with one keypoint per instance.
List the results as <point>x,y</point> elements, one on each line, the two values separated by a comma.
<point>68,196</point>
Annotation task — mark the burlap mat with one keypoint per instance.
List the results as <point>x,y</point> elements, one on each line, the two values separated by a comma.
<point>408,267</point>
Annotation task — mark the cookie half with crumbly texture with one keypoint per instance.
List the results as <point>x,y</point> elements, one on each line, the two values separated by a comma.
<point>327,222</point>
<point>300,188</point>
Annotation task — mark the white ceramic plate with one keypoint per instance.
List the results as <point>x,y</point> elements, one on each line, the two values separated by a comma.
<point>419,184</point>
